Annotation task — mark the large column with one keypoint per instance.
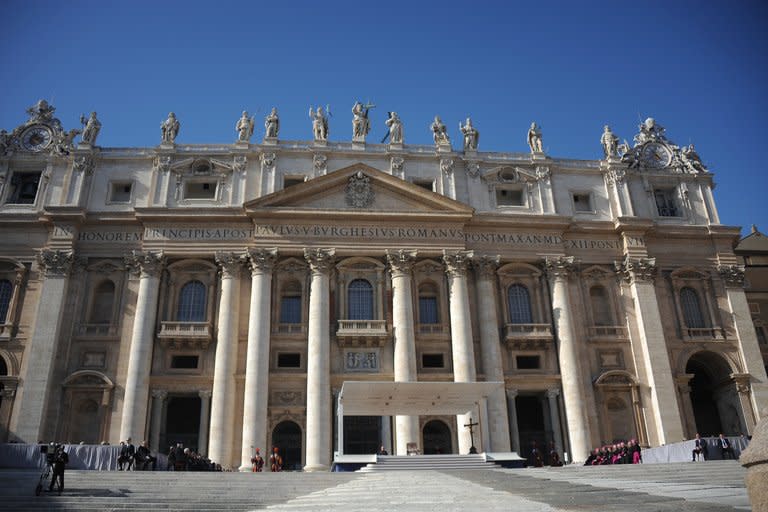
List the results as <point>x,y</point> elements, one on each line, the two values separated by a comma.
<point>514,430</point>
<point>554,416</point>
<point>33,394</point>
<point>461,335</point>
<point>261,262</point>
<point>668,425</point>
<point>205,416</point>
<point>223,394</point>
<point>570,371</point>
<point>158,401</point>
<point>751,357</point>
<point>148,266</point>
<point>318,432</point>
<point>490,346</point>
<point>401,264</point>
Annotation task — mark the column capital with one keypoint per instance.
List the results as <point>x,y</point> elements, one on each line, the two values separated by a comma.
<point>401,262</point>
<point>511,392</point>
<point>159,394</point>
<point>559,267</point>
<point>230,264</point>
<point>683,382</point>
<point>146,264</point>
<point>742,382</point>
<point>485,266</point>
<point>262,260</point>
<point>637,269</point>
<point>320,260</point>
<point>55,263</point>
<point>456,262</point>
<point>553,393</point>
<point>732,275</point>
<point>615,176</point>
<point>205,394</point>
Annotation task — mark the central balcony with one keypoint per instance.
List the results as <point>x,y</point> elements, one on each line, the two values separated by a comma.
<point>98,331</point>
<point>607,333</point>
<point>191,334</point>
<point>528,336</point>
<point>703,333</point>
<point>362,333</point>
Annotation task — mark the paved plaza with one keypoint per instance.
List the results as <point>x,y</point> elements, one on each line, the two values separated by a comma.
<point>711,486</point>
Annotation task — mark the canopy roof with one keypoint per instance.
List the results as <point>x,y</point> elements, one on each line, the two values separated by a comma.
<point>365,398</point>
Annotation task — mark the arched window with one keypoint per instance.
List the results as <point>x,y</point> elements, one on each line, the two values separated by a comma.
<point>689,300</point>
<point>103,301</point>
<point>6,290</point>
<point>3,367</point>
<point>360,300</point>
<point>290,303</point>
<point>429,313</point>
<point>601,307</point>
<point>191,303</point>
<point>519,305</point>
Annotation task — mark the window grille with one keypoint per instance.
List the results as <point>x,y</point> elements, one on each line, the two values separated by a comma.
<point>601,308</point>
<point>689,300</point>
<point>665,203</point>
<point>103,299</point>
<point>519,305</point>
<point>360,300</point>
<point>191,303</point>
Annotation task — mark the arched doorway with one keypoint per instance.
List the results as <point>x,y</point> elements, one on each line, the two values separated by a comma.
<point>713,395</point>
<point>287,437</point>
<point>437,438</point>
<point>531,424</point>
<point>85,424</point>
<point>182,421</point>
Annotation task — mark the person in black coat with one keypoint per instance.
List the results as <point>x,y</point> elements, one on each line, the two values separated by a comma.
<point>59,462</point>
<point>144,457</point>
<point>699,449</point>
<point>725,447</point>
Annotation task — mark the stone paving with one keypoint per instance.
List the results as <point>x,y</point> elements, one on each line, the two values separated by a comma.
<point>707,487</point>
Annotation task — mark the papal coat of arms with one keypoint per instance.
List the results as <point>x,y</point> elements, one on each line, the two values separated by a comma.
<point>359,191</point>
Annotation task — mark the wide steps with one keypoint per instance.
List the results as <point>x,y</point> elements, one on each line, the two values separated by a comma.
<point>428,462</point>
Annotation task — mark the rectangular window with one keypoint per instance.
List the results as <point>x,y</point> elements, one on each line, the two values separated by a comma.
<point>184,362</point>
<point>665,202</point>
<point>428,310</point>
<point>290,310</point>
<point>760,331</point>
<point>289,360</point>
<point>528,362</point>
<point>23,187</point>
<point>290,181</point>
<point>754,308</point>
<point>509,197</point>
<point>200,190</point>
<point>582,203</point>
<point>120,192</point>
<point>432,361</point>
<point>427,184</point>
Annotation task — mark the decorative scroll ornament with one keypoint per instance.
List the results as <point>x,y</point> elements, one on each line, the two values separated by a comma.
<point>159,394</point>
<point>616,176</point>
<point>637,269</point>
<point>55,263</point>
<point>653,151</point>
<point>559,267</point>
<point>359,193</point>
<point>485,266</point>
<point>162,164</point>
<point>320,164</point>
<point>288,397</point>
<point>732,275</point>
<point>473,169</point>
<point>83,163</point>
<point>239,163</point>
<point>396,163</point>
<point>145,264</point>
<point>320,260</point>
<point>446,165</point>
<point>268,160</point>
<point>230,264</point>
<point>456,262</point>
<point>262,260</point>
<point>401,262</point>
<point>543,174</point>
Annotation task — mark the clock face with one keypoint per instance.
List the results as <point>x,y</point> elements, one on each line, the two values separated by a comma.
<point>36,138</point>
<point>655,155</point>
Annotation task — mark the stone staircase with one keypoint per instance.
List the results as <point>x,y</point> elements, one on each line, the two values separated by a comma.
<point>428,462</point>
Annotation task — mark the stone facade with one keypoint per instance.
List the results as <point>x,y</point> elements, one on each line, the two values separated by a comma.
<point>221,294</point>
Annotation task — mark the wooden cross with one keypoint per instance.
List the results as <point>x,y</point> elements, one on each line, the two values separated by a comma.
<point>471,426</point>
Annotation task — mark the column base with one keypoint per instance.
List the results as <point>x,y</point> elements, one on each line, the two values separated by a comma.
<point>316,467</point>
<point>245,468</point>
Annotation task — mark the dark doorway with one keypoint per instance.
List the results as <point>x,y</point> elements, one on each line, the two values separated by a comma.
<point>713,395</point>
<point>182,421</point>
<point>437,438</point>
<point>361,434</point>
<point>531,425</point>
<point>287,437</point>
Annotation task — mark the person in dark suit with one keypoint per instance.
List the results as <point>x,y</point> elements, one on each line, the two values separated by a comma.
<point>725,447</point>
<point>59,462</point>
<point>144,457</point>
<point>699,449</point>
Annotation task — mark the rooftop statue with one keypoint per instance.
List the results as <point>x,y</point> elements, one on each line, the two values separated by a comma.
<point>471,135</point>
<point>534,139</point>
<point>170,129</point>
<point>691,159</point>
<point>649,131</point>
<point>319,124</point>
<point>272,125</point>
<point>360,123</point>
<point>395,125</point>
<point>244,127</point>
<point>91,128</point>
<point>610,142</point>
<point>41,112</point>
<point>440,132</point>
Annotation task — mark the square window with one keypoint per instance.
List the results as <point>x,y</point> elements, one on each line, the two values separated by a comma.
<point>427,184</point>
<point>290,181</point>
<point>754,308</point>
<point>200,190</point>
<point>185,362</point>
<point>120,192</point>
<point>289,360</point>
<point>528,362</point>
<point>666,206</point>
<point>432,361</point>
<point>23,187</point>
<point>582,203</point>
<point>509,197</point>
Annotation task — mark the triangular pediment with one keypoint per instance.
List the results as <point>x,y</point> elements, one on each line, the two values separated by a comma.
<point>358,189</point>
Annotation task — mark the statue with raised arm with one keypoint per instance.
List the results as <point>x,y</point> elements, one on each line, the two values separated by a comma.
<point>170,129</point>
<point>534,139</point>
<point>360,124</point>
<point>650,130</point>
<point>610,142</point>
<point>440,132</point>
<point>5,142</point>
<point>91,129</point>
<point>272,125</point>
<point>244,127</point>
<point>691,159</point>
<point>471,135</point>
<point>395,126</point>
<point>319,124</point>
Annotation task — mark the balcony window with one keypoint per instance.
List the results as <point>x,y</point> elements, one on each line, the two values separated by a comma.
<point>191,306</point>
<point>519,305</point>
<point>6,291</point>
<point>601,307</point>
<point>360,300</point>
<point>692,315</point>
<point>23,187</point>
<point>290,303</point>
<point>665,202</point>
<point>103,301</point>
<point>428,308</point>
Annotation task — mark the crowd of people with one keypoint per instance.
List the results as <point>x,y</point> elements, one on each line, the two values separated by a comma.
<point>625,452</point>
<point>184,459</point>
<point>701,450</point>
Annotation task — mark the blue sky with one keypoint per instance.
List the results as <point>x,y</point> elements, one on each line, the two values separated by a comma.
<point>699,68</point>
